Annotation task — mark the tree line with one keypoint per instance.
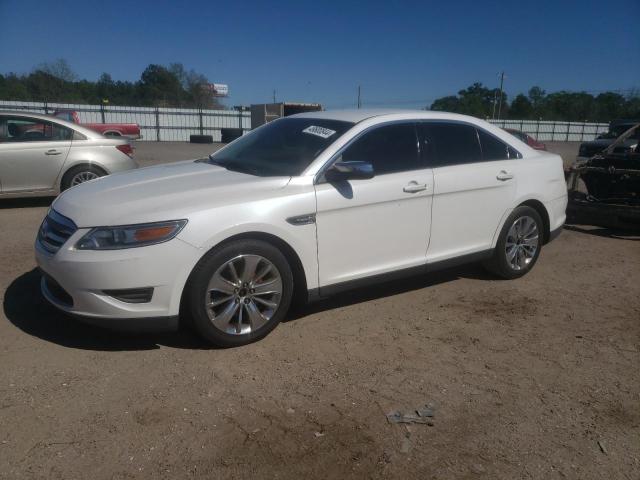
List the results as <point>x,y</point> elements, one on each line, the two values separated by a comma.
<point>175,86</point>
<point>482,102</point>
<point>159,85</point>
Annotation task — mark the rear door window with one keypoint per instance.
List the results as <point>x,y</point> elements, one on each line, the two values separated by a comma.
<point>446,144</point>
<point>492,147</point>
<point>24,129</point>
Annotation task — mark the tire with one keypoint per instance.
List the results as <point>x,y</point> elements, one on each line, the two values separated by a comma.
<point>200,138</point>
<point>74,175</point>
<point>522,229</point>
<point>228,135</point>
<point>232,315</point>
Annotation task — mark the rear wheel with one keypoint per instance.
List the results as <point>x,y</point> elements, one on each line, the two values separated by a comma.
<point>80,174</point>
<point>519,244</point>
<point>239,292</point>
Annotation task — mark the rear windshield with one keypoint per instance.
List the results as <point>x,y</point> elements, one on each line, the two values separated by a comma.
<point>284,147</point>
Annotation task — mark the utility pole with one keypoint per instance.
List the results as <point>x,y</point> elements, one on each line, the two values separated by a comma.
<point>359,103</point>
<point>274,95</point>
<point>495,100</point>
<point>500,100</point>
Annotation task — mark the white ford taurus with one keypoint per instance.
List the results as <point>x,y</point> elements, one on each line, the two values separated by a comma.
<point>306,205</point>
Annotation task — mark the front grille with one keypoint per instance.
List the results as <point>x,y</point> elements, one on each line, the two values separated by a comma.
<point>55,231</point>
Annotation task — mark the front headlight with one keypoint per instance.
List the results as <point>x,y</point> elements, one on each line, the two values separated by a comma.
<point>130,236</point>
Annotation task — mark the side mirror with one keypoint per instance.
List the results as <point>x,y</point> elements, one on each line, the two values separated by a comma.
<point>349,170</point>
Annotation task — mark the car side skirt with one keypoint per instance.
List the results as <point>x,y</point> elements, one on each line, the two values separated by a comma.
<point>329,290</point>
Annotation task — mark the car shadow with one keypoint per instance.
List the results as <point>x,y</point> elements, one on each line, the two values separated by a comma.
<point>25,308</point>
<point>30,202</point>
<point>389,289</point>
<point>633,235</point>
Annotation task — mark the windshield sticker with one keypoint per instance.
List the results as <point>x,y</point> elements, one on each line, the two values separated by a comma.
<point>319,131</point>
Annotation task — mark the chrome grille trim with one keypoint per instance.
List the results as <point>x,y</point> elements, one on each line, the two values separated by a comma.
<point>55,231</point>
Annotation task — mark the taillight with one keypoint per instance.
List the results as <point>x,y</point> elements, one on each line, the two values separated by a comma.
<point>126,148</point>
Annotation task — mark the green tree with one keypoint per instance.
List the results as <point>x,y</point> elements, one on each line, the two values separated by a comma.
<point>475,100</point>
<point>537,97</point>
<point>446,104</point>
<point>568,106</point>
<point>59,68</point>
<point>159,86</point>
<point>609,106</point>
<point>632,106</point>
<point>521,108</point>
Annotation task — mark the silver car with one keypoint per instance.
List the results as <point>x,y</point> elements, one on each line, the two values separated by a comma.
<point>41,155</point>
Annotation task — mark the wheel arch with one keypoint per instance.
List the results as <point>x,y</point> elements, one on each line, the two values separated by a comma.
<point>539,207</point>
<point>297,269</point>
<point>112,133</point>
<point>80,163</point>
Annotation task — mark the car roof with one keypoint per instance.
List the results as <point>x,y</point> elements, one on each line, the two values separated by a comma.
<point>359,115</point>
<point>50,118</point>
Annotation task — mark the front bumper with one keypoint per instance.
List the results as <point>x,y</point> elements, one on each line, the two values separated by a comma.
<point>75,281</point>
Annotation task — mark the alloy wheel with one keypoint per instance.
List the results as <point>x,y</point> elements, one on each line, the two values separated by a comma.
<point>243,294</point>
<point>82,177</point>
<point>522,242</point>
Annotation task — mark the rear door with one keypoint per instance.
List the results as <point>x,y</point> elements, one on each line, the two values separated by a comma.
<point>473,187</point>
<point>379,225</point>
<point>32,153</point>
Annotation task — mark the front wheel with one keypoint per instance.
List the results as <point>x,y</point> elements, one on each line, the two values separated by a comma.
<point>519,244</point>
<point>238,293</point>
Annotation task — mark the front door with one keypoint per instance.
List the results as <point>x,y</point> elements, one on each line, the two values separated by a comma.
<point>379,225</point>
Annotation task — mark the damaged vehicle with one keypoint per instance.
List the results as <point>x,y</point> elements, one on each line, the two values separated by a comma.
<point>616,129</point>
<point>604,190</point>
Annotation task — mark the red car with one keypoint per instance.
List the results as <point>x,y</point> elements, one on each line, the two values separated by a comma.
<point>130,130</point>
<point>528,139</point>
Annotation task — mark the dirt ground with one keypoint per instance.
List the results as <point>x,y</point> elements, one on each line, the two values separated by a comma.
<point>536,378</point>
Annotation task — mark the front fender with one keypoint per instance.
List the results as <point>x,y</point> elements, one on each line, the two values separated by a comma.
<point>208,229</point>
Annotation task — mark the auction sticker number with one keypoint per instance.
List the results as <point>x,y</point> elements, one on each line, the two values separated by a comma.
<point>319,131</point>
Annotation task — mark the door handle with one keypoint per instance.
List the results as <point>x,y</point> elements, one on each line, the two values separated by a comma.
<point>504,175</point>
<point>52,152</point>
<point>414,187</point>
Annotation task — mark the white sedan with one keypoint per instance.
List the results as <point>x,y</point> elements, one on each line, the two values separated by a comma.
<point>307,205</point>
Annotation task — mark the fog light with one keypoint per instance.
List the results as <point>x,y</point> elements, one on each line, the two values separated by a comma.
<point>132,295</point>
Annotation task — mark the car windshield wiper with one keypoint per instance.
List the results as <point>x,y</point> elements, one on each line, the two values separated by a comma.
<point>234,167</point>
<point>213,161</point>
<point>239,167</point>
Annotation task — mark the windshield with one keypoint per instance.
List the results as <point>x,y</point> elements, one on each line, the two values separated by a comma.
<point>284,147</point>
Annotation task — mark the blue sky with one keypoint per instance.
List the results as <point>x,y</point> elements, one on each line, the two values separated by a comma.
<point>402,53</point>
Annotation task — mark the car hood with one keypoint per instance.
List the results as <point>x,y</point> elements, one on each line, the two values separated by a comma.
<point>163,192</point>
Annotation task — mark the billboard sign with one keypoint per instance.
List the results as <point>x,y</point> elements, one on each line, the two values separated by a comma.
<point>218,89</point>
